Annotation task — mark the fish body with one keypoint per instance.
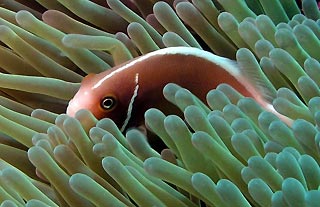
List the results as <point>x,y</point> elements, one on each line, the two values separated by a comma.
<point>126,91</point>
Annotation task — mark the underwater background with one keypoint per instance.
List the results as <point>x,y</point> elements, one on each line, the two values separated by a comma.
<point>227,151</point>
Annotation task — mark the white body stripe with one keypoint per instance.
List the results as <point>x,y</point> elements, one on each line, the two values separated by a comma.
<point>225,63</point>
<point>130,106</point>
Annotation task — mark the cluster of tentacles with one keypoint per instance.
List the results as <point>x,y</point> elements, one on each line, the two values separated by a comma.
<point>228,151</point>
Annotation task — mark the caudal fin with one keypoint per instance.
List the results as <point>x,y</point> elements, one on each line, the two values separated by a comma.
<point>251,70</point>
<point>264,91</point>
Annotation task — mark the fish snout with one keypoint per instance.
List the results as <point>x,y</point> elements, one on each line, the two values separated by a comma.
<point>72,108</point>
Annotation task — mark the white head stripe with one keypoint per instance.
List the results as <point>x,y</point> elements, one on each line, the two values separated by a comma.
<point>130,106</point>
<point>227,64</point>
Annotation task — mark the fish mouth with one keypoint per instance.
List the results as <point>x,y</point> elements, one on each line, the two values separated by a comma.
<point>71,108</point>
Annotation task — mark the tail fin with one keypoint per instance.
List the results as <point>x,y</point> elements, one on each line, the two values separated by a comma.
<point>251,70</point>
<point>264,91</point>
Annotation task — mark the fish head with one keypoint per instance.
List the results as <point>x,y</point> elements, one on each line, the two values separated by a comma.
<point>110,97</point>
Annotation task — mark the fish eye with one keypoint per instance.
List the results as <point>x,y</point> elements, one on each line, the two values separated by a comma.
<point>108,102</point>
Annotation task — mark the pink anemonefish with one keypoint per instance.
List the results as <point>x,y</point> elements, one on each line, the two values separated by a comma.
<point>126,91</point>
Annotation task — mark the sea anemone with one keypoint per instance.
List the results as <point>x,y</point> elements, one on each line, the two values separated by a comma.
<point>226,152</point>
